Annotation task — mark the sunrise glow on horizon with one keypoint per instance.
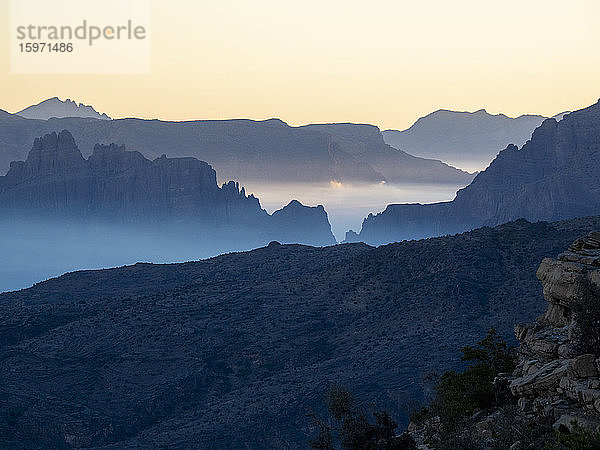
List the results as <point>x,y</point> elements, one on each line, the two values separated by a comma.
<point>383,62</point>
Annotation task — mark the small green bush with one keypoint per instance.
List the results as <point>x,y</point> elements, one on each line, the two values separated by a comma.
<point>460,394</point>
<point>579,439</point>
<point>353,429</point>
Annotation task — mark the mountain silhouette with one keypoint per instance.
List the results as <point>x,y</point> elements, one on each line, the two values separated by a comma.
<point>469,140</point>
<point>55,107</point>
<point>118,187</point>
<point>555,175</point>
<point>265,152</point>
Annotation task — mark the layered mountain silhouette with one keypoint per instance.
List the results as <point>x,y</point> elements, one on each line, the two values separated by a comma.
<point>268,151</point>
<point>468,140</point>
<point>118,187</point>
<point>55,107</point>
<point>232,352</point>
<point>555,175</point>
<point>366,143</point>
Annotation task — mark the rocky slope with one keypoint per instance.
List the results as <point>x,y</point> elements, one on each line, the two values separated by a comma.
<point>54,107</point>
<point>119,187</point>
<point>555,175</point>
<point>559,366</point>
<point>556,384</point>
<point>268,151</point>
<point>469,140</point>
<point>230,352</point>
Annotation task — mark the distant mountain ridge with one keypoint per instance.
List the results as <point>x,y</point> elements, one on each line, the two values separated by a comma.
<point>463,139</point>
<point>366,142</point>
<point>119,187</point>
<point>554,176</point>
<point>55,107</point>
<point>268,151</point>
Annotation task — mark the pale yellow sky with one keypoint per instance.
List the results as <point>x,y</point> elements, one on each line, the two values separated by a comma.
<point>385,62</point>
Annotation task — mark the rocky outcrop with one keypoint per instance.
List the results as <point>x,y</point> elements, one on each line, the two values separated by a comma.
<point>121,187</point>
<point>554,176</point>
<point>299,223</point>
<point>113,184</point>
<point>556,383</point>
<point>559,364</point>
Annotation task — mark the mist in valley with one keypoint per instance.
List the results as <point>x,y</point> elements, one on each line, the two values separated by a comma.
<point>348,204</point>
<point>31,252</point>
<point>35,250</point>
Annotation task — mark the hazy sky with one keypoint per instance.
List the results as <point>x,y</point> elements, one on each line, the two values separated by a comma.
<point>385,62</point>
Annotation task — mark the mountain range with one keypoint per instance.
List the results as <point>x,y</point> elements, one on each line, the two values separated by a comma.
<point>555,175</point>
<point>469,140</point>
<point>118,187</point>
<point>234,351</point>
<point>268,151</point>
<point>366,143</point>
<point>54,107</point>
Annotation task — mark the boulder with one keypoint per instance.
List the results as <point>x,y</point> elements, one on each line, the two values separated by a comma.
<point>568,424</point>
<point>584,366</point>
<point>543,381</point>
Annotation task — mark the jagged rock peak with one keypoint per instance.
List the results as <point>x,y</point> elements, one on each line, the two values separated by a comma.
<point>61,141</point>
<point>56,108</point>
<point>111,148</point>
<point>54,151</point>
<point>309,218</point>
<point>294,204</point>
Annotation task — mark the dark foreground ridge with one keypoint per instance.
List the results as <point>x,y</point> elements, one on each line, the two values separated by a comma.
<point>230,352</point>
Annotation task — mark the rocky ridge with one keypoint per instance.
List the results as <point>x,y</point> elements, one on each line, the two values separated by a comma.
<point>554,176</point>
<point>55,107</point>
<point>230,352</point>
<point>366,143</point>
<point>120,187</point>
<point>558,374</point>
<point>469,140</point>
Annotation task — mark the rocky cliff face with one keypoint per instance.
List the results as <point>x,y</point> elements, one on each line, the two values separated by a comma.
<point>555,175</point>
<point>555,386</point>
<point>559,366</point>
<point>114,184</point>
<point>366,143</point>
<point>298,223</point>
<point>118,186</point>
